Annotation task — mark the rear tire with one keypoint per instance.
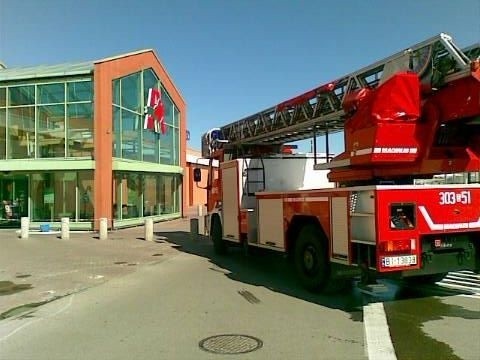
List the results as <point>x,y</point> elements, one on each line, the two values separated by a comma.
<point>219,245</point>
<point>311,258</point>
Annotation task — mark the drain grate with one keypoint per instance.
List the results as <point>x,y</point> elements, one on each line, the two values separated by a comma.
<point>230,344</point>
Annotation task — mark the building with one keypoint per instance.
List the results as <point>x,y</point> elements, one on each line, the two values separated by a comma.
<point>196,194</point>
<point>73,143</point>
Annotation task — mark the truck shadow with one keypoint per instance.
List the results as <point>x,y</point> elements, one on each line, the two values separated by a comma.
<point>274,271</point>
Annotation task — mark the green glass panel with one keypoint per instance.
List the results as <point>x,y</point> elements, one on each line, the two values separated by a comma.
<point>79,91</point>
<point>80,129</point>
<point>21,132</point>
<point>3,97</point>
<point>130,88</point>
<point>167,156</point>
<point>150,81</point>
<point>51,131</point>
<point>131,131</point>
<point>3,133</point>
<point>116,92</point>
<point>176,116</point>
<point>21,95</point>
<point>117,133</point>
<point>150,146</point>
<point>51,93</point>
<point>86,195</point>
<point>168,105</point>
<point>176,146</point>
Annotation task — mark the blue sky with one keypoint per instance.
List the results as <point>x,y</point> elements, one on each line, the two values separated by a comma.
<point>232,58</point>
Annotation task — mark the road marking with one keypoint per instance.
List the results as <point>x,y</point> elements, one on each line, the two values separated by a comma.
<point>377,336</point>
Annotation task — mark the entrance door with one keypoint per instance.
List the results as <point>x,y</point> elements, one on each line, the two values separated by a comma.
<point>14,199</point>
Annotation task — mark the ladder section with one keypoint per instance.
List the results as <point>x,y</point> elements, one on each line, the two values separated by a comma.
<point>319,111</point>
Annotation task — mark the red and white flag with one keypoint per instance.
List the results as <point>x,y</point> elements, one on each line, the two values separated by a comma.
<point>155,112</point>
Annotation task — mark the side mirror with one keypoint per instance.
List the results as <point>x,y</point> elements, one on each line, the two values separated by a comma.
<point>197,175</point>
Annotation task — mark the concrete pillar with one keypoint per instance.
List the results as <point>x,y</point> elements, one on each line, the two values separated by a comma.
<point>103,228</point>
<point>200,210</point>
<point>149,229</point>
<point>65,228</point>
<point>194,229</point>
<point>24,227</point>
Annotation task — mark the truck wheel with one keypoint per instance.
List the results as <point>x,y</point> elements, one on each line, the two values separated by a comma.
<point>219,245</point>
<point>311,259</point>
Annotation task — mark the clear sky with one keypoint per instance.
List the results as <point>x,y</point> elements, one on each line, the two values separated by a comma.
<point>231,59</point>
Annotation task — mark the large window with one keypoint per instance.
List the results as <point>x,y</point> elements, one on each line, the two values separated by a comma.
<point>137,195</point>
<point>59,194</point>
<point>21,132</point>
<point>46,120</point>
<point>131,140</point>
<point>80,129</point>
<point>51,131</point>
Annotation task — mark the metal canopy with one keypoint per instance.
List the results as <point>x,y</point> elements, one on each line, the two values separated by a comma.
<point>319,111</point>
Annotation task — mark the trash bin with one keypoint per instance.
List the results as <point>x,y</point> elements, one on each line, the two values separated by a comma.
<point>44,227</point>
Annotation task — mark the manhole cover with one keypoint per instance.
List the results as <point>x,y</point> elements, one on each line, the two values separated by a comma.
<point>230,344</point>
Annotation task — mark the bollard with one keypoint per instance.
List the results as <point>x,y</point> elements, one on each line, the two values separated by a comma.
<point>149,229</point>
<point>103,228</point>
<point>194,229</point>
<point>65,228</point>
<point>24,227</point>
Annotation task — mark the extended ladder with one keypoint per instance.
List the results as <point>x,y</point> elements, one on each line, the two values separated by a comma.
<point>319,111</point>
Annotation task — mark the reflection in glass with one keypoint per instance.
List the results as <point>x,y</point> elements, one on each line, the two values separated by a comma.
<point>86,195</point>
<point>131,196</point>
<point>21,133</point>
<point>168,104</point>
<point>150,146</point>
<point>131,132</point>
<point>51,131</point>
<point>3,97</point>
<point>51,93</point>
<point>80,129</point>
<point>166,147</point>
<point>150,81</point>
<point>3,133</point>
<point>79,91</point>
<point>117,133</point>
<point>145,195</point>
<point>151,205</point>
<point>130,90</point>
<point>21,95</point>
<point>116,92</point>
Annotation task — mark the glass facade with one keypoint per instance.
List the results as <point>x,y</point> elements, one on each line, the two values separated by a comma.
<point>52,121</point>
<point>46,196</point>
<point>131,140</point>
<point>46,120</point>
<point>141,194</point>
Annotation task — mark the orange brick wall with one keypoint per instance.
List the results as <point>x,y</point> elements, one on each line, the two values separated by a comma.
<point>105,72</point>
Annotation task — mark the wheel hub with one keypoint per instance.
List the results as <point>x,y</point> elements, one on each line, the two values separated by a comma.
<point>309,258</point>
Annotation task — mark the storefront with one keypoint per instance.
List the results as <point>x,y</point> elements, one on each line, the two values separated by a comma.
<point>74,143</point>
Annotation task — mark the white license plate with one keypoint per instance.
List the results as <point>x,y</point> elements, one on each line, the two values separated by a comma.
<point>394,261</point>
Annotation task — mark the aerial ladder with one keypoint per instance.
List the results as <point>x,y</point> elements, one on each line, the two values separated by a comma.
<point>413,115</point>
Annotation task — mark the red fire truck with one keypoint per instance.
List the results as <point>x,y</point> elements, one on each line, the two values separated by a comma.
<point>411,116</point>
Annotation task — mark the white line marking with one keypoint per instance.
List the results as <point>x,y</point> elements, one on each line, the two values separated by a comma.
<point>378,343</point>
<point>446,226</point>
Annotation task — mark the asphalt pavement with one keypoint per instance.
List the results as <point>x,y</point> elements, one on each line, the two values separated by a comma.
<point>44,267</point>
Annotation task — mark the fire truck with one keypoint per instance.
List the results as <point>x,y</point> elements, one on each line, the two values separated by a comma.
<point>363,212</point>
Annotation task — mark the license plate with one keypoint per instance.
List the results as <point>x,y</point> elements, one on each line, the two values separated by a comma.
<point>394,261</point>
